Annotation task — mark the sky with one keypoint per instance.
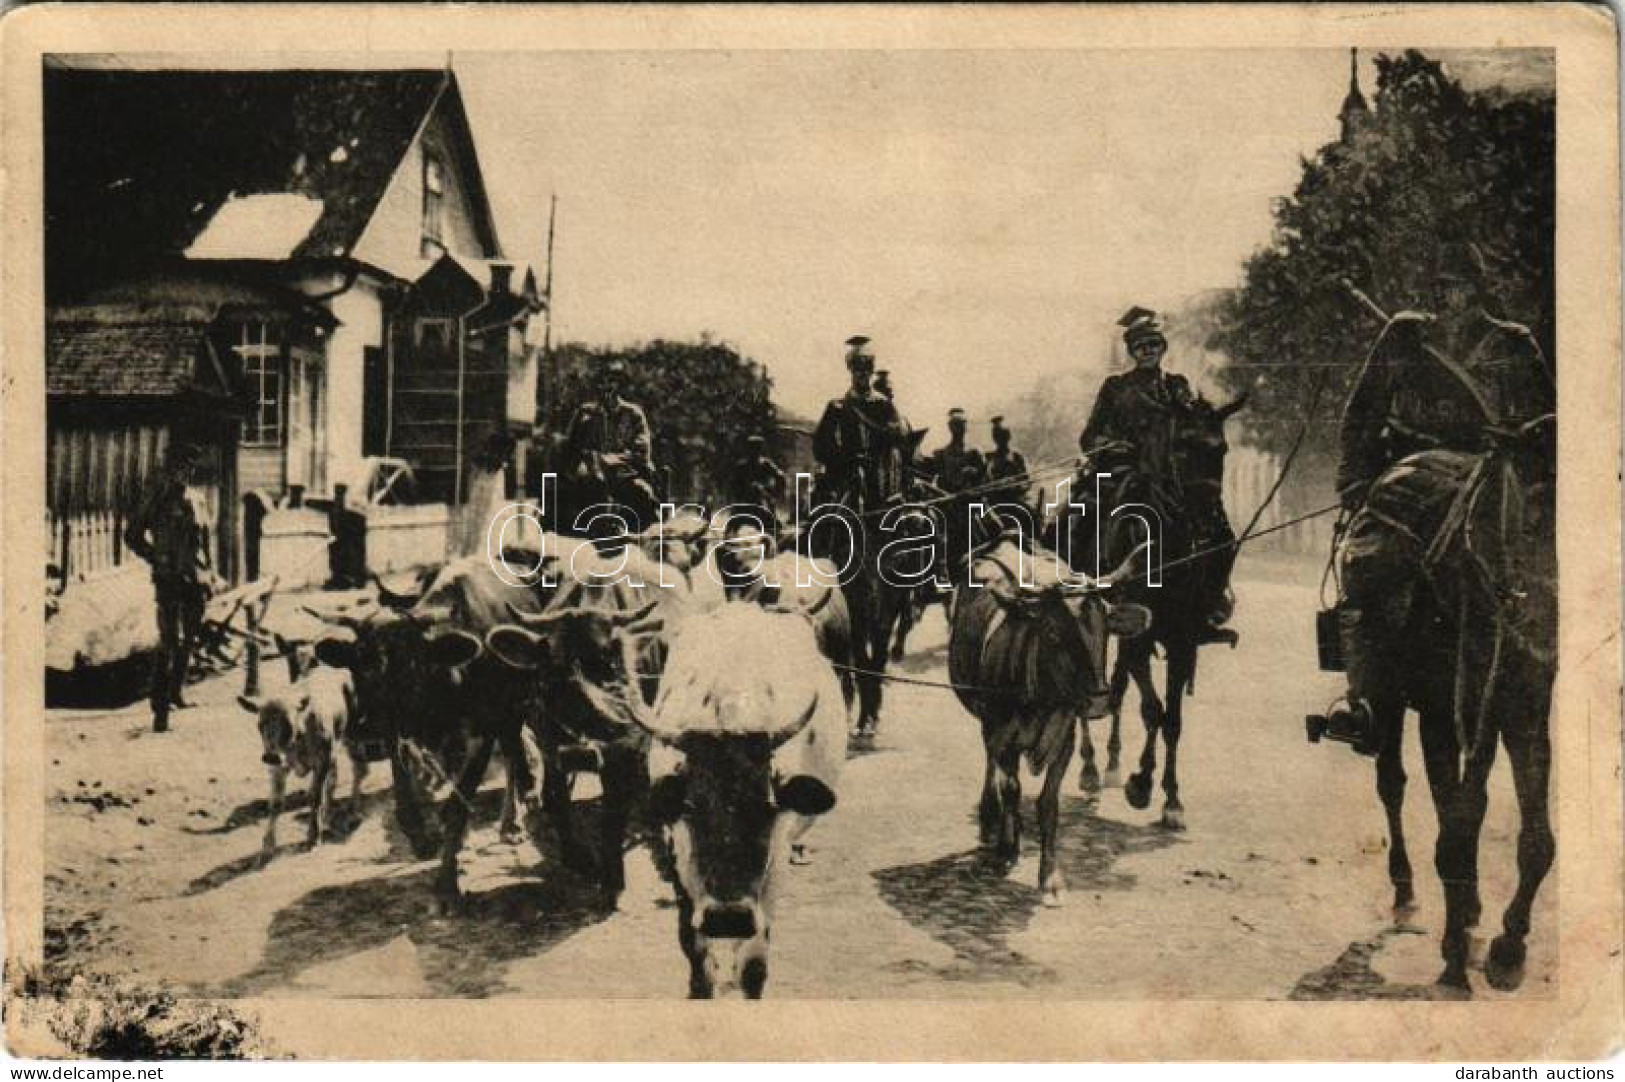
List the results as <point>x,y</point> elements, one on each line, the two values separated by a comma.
<point>983,216</point>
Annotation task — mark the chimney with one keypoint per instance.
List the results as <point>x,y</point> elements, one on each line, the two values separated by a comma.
<point>501,277</point>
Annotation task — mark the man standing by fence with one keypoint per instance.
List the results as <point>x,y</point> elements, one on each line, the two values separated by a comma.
<point>164,532</point>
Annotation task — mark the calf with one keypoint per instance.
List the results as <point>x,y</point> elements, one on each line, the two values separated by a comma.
<point>301,730</point>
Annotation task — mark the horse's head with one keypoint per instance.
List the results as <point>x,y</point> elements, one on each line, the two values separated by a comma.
<point>1199,439</point>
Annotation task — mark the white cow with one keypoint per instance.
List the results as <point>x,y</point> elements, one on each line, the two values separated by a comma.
<point>750,731</point>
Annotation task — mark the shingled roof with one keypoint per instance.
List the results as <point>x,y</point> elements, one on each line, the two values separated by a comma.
<point>137,163</point>
<point>94,358</point>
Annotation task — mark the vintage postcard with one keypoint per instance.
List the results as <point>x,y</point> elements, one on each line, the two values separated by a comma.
<point>1000,533</point>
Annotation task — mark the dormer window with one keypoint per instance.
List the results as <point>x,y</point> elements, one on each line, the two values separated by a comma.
<point>434,202</point>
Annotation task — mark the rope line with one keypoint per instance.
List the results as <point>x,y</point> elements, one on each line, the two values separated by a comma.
<point>949,685</point>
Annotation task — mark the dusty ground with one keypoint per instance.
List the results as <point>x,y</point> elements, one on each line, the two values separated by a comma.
<point>1277,889</point>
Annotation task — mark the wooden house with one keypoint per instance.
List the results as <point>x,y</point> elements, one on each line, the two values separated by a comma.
<point>314,225</point>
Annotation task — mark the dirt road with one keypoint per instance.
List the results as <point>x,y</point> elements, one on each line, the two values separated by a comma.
<point>1278,888</point>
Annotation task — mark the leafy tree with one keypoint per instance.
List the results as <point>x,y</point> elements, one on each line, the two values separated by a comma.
<point>1433,167</point>
<point>703,400</point>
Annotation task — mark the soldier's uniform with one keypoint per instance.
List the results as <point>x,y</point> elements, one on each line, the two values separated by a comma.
<point>1137,409</point>
<point>958,468</point>
<point>164,532</point>
<point>858,441</point>
<point>613,426</point>
<point>955,468</point>
<point>1410,397</point>
<point>1131,434</point>
<point>1005,463</point>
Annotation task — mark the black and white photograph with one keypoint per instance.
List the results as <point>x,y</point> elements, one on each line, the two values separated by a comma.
<point>1014,523</point>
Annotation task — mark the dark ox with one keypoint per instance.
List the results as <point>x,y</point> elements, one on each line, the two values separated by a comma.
<point>1028,659</point>
<point>593,639</point>
<point>440,706</point>
<point>749,739</point>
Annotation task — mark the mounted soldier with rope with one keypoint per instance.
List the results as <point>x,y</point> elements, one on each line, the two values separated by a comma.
<point>859,439</point>
<point>1133,436</point>
<point>1449,577</point>
<point>1156,451</point>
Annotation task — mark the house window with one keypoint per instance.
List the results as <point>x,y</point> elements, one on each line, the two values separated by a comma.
<point>261,357</point>
<point>434,198</point>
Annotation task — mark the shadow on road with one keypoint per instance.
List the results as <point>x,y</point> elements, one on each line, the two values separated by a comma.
<point>465,955</point>
<point>1350,976</point>
<point>295,821</point>
<point>964,902</point>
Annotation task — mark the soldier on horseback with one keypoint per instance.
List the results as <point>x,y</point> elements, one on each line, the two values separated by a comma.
<point>1440,381</point>
<point>608,448</point>
<point>1132,435</point>
<point>859,440</point>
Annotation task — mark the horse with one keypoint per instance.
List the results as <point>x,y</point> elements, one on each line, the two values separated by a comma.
<point>1480,634</point>
<point>1188,514</point>
<point>875,554</point>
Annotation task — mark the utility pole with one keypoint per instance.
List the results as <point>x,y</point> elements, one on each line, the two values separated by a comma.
<point>547,291</point>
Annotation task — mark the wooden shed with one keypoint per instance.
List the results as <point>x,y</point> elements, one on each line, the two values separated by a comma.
<point>119,391</point>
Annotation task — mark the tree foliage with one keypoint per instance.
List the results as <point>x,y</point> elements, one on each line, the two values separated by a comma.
<point>1432,169</point>
<point>703,400</point>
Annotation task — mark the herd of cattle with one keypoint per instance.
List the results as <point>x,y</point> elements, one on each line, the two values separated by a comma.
<point>712,696</point>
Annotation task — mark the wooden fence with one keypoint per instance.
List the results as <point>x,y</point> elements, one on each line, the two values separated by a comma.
<point>86,544</point>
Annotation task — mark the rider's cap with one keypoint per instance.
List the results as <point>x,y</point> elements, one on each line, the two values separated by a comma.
<point>857,349</point>
<point>956,414</point>
<point>997,420</point>
<point>1141,325</point>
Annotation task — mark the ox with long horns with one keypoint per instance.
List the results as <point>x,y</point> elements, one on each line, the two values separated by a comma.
<point>750,736</point>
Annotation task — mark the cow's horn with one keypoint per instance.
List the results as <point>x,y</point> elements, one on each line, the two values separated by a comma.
<point>630,617</point>
<point>538,620</point>
<point>1230,408</point>
<point>426,617</point>
<point>622,701</point>
<point>651,626</point>
<point>818,606</point>
<point>1122,571</point>
<point>393,599</point>
<point>785,732</point>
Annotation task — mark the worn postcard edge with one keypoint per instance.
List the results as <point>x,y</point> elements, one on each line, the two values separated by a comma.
<point>1583,1020</point>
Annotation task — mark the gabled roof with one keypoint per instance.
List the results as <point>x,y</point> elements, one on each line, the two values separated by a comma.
<point>137,163</point>
<point>93,358</point>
